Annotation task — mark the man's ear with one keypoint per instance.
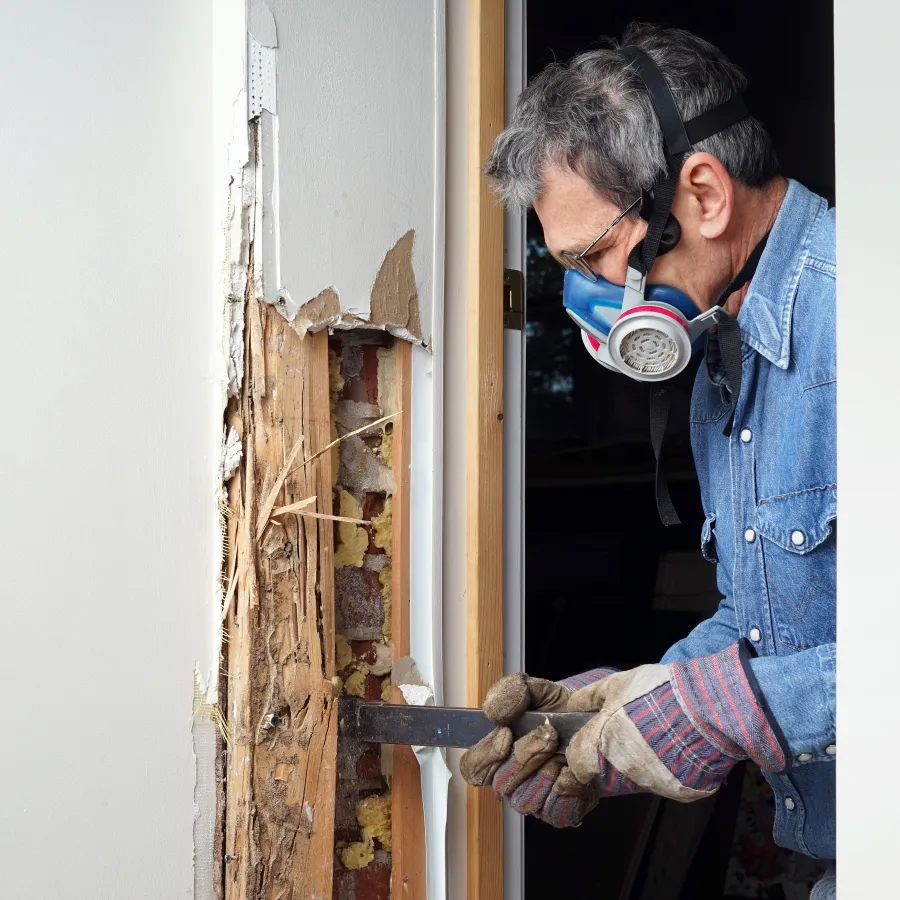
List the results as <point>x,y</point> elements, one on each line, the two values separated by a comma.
<point>707,194</point>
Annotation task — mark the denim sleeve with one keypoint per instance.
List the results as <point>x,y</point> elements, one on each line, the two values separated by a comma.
<point>800,693</point>
<point>710,636</point>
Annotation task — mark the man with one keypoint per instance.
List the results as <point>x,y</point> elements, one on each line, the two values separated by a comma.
<point>594,147</point>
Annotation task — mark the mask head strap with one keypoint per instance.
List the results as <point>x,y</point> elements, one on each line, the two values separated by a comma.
<point>679,137</point>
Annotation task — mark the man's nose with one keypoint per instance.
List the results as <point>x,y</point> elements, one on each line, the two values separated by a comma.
<point>613,269</point>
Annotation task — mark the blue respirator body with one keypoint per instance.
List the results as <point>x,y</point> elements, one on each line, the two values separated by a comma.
<point>648,335</point>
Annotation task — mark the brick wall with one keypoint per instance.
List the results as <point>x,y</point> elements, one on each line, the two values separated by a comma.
<point>364,484</point>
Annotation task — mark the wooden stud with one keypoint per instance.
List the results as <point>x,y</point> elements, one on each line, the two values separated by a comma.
<point>282,717</point>
<point>407,812</point>
<point>484,451</point>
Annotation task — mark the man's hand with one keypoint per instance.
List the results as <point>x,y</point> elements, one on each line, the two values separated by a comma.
<point>675,730</point>
<point>529,772</point>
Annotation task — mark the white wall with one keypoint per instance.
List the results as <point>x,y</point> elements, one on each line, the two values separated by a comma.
<point>108,451</point>
<point>868,195</point>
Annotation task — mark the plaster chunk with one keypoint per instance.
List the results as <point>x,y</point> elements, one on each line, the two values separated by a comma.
<point>323,311</point>
<point>383,659</point>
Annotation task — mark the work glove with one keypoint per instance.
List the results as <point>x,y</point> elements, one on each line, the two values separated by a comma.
<point>675,730</point>
<point>530,773</point>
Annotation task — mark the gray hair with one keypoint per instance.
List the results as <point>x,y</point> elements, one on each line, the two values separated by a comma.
<point>593,115</point>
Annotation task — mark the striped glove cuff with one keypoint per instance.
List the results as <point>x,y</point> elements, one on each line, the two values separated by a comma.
<point>721,697</point>
<point>574,682</point>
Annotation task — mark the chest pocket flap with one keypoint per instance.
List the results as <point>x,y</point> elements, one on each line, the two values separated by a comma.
<point>798,522</point>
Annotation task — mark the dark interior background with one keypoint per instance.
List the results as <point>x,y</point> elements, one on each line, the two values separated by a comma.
<point>606,584</point>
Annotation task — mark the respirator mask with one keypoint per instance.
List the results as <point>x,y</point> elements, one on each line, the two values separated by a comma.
<point>649,332</point>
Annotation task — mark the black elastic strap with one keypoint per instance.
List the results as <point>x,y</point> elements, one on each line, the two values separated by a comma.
<point>729,332</point>
<point>644,253</point>
<point>659,416</point>
<point>716,119</point>
<point>677,141</point>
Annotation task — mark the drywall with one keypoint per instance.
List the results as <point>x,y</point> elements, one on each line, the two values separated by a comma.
<point>108,542</point>
<point>352,207</point>
<point>868,191</point>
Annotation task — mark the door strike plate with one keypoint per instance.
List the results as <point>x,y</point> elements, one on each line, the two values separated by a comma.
<point>513,299</point>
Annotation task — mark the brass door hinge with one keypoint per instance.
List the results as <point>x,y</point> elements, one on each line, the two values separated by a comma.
<point>513,299</point>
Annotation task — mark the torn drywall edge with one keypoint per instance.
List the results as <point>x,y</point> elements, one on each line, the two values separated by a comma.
<point>394,296</point>
<point>237,240</point>
<point>205,747</point>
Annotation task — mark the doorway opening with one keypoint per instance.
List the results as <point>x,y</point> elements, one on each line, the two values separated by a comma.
<point>605,582</point>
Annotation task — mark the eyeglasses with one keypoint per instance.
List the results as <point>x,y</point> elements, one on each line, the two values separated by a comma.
<point>577,261</point>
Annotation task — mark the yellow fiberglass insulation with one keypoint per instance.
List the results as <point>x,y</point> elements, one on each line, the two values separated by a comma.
<point>374,817</point>
<point>353,539</point>
<point>343,652</point>
<point>355,683</point>
<point>384,578</point>
<point>383,528</point>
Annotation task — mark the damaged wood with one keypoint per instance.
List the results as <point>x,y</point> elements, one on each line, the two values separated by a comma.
<point>282,716</point>
<point>407,809</point>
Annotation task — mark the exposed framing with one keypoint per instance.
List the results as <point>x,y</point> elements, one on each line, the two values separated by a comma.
<point>279,621</point>
<point>407,812</point>
<point>484,451</point>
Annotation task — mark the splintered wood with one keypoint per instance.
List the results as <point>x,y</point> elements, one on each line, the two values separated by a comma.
<point>282,717</point>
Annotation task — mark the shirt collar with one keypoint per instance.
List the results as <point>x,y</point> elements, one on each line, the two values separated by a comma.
<point>765,315</point>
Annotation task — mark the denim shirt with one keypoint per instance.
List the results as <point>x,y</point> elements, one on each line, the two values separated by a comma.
<point>770,497</point>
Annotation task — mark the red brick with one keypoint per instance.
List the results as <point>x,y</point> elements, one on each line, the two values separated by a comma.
<point>372,692</point>
<point>370,372</point>
<point>374,882</point>
<point>364,651</point>
<point>368,766</point>
<point>344,883</point>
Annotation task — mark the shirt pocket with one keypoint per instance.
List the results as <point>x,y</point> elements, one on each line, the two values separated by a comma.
<point>798,535</point>
<point>708,539</point>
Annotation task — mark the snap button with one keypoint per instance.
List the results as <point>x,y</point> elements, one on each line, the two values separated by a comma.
<point>749,535</point>
<point>804,757</point>
<point>789,804</point>
<point>755,635</point>
<point>831,749</point>
<point>746,435</point>
<point>798,538</point>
